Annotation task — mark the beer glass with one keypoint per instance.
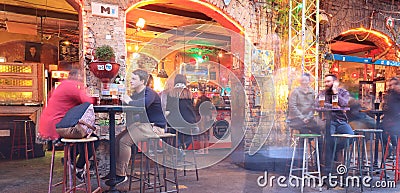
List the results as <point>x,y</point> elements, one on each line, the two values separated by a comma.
<point>321,100</point>
<point>335,100</point>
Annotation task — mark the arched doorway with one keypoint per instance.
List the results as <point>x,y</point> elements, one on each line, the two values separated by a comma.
<point>363,59</point>
<point>199,40</point>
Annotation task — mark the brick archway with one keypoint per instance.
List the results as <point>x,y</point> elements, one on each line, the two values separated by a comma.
<point>380,39</point>
<point>230,16</point>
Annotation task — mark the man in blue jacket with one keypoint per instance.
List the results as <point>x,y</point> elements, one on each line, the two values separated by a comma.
<point>142,97</point>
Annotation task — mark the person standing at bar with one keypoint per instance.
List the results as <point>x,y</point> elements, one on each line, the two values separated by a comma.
<point>339,121</point>
<point>142,96</point>
<point>391,110</point>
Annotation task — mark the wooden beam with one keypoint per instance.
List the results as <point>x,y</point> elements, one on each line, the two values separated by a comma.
<point>38,12</point>
<point>182,33</point>
<point>74,5</point>
<point>179,12</point>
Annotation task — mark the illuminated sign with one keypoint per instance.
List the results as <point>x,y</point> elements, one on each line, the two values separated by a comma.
<point>104,10</point>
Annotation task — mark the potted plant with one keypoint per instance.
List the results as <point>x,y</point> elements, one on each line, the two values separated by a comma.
<point>105,53</point>
<point>104,67</point>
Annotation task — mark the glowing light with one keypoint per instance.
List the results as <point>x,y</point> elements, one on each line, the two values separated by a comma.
<point>379,34</point>
<point>140,23</point>
<point>220,54</point>
<point>136,47</point>
<point>129,48</point>
<point>212,7</point>
<point>298,51</point>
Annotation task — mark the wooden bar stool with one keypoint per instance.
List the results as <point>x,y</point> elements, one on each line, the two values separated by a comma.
<point>22,138</point>
<point>71,143</point>
<point>53,155</point>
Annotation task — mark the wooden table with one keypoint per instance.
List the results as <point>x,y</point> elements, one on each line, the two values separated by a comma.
<point>111,110</point>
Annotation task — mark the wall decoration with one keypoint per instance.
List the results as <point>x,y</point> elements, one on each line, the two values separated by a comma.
<point>262,62</point>
<point>32,51</point>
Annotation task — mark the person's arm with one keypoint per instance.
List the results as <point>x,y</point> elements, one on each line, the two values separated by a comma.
<point>294,111</point>
<point>344,97</point>
<point>144,101</point>
<point>311,113</point>
<point>83,95</point>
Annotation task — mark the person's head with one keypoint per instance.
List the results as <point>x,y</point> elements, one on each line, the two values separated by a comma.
<point>75,74</point>
<point>180,79</point>
<point>394,84</point>
<point>150,82</point>
<point>305,80</point>
<point>329,80</point>
<point>139,78</point>
<point>32,50</point>
<point>180,90</point>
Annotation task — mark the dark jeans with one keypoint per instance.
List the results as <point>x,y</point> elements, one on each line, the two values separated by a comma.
<point>80,150</point>
<point>183,139</point>
<point>393,141</point>
<point>337,127</point>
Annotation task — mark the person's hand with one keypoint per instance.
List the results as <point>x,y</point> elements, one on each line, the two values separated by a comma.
<point>335,87</point>
<point>126,98</point>
<point>306,120</point>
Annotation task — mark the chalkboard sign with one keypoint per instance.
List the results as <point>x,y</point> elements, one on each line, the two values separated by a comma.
<point>68,51</point>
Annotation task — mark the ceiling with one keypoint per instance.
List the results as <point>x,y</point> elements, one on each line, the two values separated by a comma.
<point>49,17</point>
<point>349,44</point>
<point>176,26</point>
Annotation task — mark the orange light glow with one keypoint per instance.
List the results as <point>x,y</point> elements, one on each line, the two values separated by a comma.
<point>199,2</point>
<point>379,34</point>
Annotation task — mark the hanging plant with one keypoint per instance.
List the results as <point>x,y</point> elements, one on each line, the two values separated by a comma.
<point>105,53</point>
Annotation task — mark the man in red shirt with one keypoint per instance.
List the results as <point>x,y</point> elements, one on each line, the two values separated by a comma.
<point>68,94</point>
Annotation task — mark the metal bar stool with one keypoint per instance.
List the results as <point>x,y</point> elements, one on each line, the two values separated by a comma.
<point>25,135</point>
<point>394,165</point>
<point>379,138</point>
<point>350,140</point>
<point>182,162</point>
<point>304,168</point>
<point>71,143</point>
<point>145,174</point>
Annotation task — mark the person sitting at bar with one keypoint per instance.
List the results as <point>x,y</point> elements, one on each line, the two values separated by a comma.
<point>301,107</point>
<point>181,111</point>
<point>358,119</point>
<point>391,111</point>
<point>339,121</point>
<point>143,96</point>
<point>68,94</point>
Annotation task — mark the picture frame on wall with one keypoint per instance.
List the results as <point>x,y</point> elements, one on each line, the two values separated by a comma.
<point>32,51</point>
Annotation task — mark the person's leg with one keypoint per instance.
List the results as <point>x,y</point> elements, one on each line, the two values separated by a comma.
<point>329,143</point>
<point>343,128</point>
<point>80,163</point>
<point>125,143</point>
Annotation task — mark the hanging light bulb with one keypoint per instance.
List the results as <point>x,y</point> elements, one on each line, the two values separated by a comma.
<point>137,47</point>
<point>140,23</point>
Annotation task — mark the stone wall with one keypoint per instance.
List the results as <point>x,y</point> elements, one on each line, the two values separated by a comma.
<point>348,14</point>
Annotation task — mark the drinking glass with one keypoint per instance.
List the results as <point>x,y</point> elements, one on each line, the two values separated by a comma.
<point>321,100</point>
<point>335,101</point>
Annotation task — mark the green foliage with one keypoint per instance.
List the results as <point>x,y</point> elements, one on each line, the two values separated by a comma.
<point>104,53</point>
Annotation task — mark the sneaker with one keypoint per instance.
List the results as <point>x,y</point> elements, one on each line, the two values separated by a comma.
<point>80,175</point>
<point>106,177</point>
<point>118,180</point>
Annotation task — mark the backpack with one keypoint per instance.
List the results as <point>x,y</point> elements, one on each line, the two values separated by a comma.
<point>78,122</point>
